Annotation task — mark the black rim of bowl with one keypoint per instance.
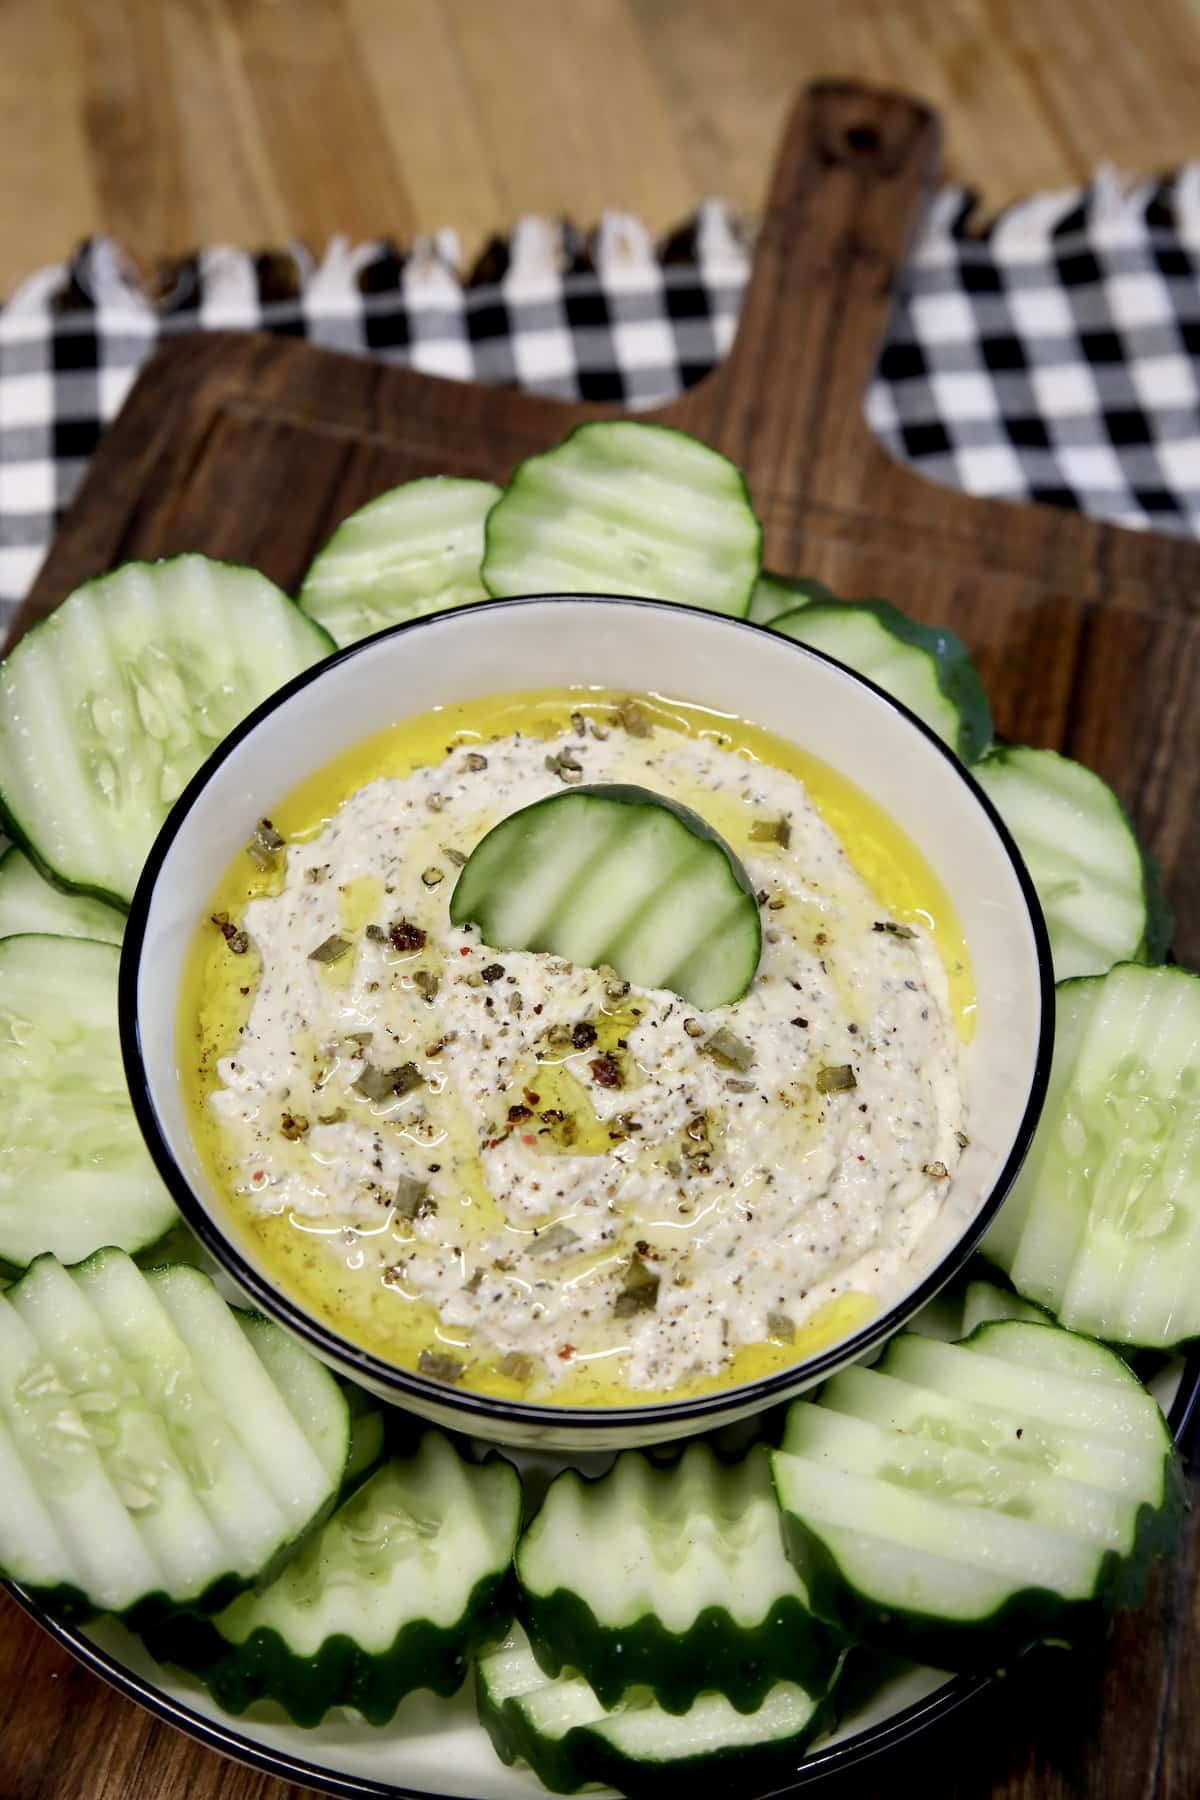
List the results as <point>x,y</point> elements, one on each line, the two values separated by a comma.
<point>471,1407</point>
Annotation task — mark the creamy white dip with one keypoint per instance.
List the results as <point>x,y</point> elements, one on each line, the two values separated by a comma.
<point>748,1195</point>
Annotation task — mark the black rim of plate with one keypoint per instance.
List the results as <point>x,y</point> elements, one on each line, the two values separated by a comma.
<point>469,1407</point>
<point>832,1759</point>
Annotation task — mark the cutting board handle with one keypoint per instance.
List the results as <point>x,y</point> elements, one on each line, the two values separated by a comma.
<point>854,173</point>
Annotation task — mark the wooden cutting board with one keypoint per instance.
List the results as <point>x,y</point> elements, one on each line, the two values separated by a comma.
<point>1088,639</point>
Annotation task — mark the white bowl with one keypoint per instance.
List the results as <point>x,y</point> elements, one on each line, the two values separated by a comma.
<point>647,646</point>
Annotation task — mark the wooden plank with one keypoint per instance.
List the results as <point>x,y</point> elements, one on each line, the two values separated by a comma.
<point>177,122</point>
<point>1088,637</point>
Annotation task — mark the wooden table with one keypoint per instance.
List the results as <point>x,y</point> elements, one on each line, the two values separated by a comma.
<point>1088,639</point>
<point>172,123</point>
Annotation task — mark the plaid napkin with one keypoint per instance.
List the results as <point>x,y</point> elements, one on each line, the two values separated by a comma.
<point>1051,357</point>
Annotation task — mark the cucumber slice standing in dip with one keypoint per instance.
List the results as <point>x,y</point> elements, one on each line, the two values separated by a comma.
<point>617,875</point>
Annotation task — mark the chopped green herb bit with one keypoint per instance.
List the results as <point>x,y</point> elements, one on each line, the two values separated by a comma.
<point>559,1237</point>
<point>836,1080</point>
<point>264,846</point>
<point>771,831</point>
<point>410,1196</point>
<point>634,718</point>
<point>454,856</point>
<point>893,928</point>
<point>440,1367</point>
<point>330,949</point>
<point>514,1366</point>
<point>727,1049</point>
<point>639,1292</point>
<point>781,1329</point>
<point>568,768</point>
<point>426,982</point>
<point>385,1084</point>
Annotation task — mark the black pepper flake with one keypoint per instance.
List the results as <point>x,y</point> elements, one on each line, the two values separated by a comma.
<point>476,762</point>
<point>583,1035</point>
<point>802,1023</point>
<point>237,940</point>
<point>517,1113</point>
<point>493,972</point>
<point>404,935</point>
<point>293,1126</point>
<point>893,928</point>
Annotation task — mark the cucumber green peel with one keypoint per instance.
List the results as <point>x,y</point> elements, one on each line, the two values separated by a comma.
<point>775,595</point>
<point>671,1578</point>
<point>404,1582</point>
<point>569,1739</point>
<point>616,875</point>
<point>925,667</point>
<point>960,1502</point>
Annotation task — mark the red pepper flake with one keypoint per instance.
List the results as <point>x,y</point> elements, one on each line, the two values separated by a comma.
<point>566,1353</point>
<point>862,1159</point>
<point>405,935</point>
<point>527,1137</point>
<point>465,950</point>
<point>606,1072</point>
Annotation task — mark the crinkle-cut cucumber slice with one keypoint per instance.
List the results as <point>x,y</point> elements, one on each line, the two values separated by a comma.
<point>74,1171</point>
<point>404,1582</point>
<point>414,550</point>
<point>1080,850</point>
<point>985,1303</point>
<point>616,875</point>
<point>569,1739</point>
<point>775,595</point>
<point>925,667</point>
<point>146,1467</point>
<point>29,904</point>
<point>1103,1224</point>
<point>967,1500</point>
<point>110,704</point>
<point>673,1579</point>
<point>625,508</point>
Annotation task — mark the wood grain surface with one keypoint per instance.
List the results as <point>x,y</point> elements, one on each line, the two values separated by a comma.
<point>1088,639</point>
<point>172,123</point>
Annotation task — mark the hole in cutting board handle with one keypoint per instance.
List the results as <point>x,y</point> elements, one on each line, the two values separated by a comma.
<point>862,138</point>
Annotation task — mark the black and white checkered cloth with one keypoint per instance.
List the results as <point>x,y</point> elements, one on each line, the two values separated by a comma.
<point>1055,356</point>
